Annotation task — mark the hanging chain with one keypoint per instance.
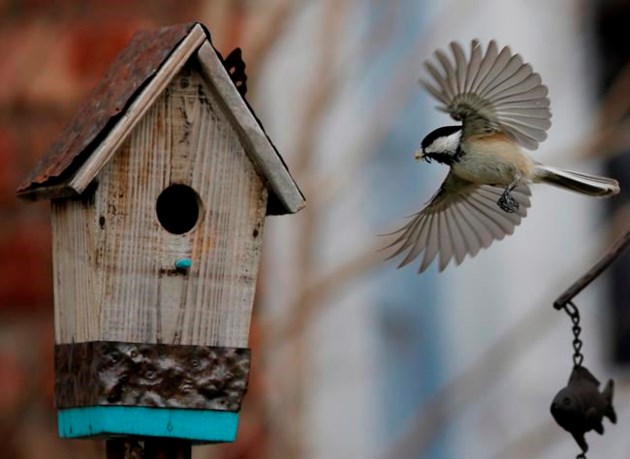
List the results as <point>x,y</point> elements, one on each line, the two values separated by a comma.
<point>574,314</point>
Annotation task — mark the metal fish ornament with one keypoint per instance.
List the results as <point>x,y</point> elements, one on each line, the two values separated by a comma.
<point>580,406</point>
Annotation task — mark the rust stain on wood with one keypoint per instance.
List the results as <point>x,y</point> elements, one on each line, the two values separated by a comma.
<point>137,63</point>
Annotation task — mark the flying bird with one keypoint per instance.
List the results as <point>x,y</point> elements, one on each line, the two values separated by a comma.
<point>502,107</point>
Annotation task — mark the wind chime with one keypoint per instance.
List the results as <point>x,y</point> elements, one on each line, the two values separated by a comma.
<point>580,406</point>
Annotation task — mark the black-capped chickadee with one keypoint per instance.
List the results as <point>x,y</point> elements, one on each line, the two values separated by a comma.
<point>503,106</point>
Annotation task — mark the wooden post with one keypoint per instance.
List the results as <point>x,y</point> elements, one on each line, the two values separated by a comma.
<point>157,448</point>
<point>121,448</point>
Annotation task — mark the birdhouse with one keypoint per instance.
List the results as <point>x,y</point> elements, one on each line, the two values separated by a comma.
<point>159,189</point>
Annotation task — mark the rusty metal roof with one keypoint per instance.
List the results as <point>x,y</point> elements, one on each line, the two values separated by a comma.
<point>125,79</point>
<point>126,76</point>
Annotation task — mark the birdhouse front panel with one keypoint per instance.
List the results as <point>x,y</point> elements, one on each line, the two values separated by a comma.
<point>180,191</point>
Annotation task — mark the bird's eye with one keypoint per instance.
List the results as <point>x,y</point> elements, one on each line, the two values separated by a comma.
<point>566,401</point>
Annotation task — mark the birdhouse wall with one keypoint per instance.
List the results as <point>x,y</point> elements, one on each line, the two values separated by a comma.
<point>115,275</point>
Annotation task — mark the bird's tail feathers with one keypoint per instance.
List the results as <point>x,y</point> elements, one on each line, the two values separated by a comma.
<point>592,185</point>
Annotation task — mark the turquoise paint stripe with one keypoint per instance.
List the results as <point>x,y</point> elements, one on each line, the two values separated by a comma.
<point>194,425</point>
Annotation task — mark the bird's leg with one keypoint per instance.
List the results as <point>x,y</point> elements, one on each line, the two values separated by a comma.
<point>506,202</point>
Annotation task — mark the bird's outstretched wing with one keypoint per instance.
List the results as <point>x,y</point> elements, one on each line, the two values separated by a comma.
<point>461,219</point>
<point>489,92</point>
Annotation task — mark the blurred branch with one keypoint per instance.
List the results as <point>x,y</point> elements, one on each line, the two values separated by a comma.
<point>311,297</point>
<point>323,86</point>
<point>616,103</point>
<point>432,417</point>
<point>604,262</point>
<point>608,141</point>
<point>321,189</point>
<point>609,137</point>
<point>266,23</point>
<point>382,115</point>
<point>611,140</point>
<point>532,443</point>
<point>318,98</point>
<point>254,26</point>
<point>540,438</point>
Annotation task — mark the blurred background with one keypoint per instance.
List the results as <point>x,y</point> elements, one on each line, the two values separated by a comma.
<point>353,358</point>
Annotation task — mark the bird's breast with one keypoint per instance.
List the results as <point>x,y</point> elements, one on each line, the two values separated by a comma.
<point>493,160</point>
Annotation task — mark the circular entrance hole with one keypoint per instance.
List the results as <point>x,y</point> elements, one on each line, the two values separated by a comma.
<point>177,209</point>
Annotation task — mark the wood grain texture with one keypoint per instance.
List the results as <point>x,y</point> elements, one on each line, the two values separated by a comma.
<point>134,113</point>
<point>114,263</point>
<point>261,151</point>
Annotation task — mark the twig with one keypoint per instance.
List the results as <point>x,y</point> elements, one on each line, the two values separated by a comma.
<point>452,398</point>
<point>614,104</point>
<point>262,36</point>
<point>604,262</point>
<point>432,417</point>
<point>310,299</point>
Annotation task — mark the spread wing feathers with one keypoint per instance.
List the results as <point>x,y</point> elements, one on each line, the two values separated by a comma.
<point>461,219</point>
<point>494,91</point>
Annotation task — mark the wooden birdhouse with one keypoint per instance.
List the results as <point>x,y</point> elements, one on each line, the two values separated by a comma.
<point>159,188</point>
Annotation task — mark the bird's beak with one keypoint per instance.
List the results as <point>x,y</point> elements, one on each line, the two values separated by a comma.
<point>419,155</point>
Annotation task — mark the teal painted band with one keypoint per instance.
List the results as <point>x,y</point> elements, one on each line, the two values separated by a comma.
<point>102,421</point>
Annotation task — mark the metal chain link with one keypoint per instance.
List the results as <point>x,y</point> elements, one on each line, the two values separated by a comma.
<point>574,314</point>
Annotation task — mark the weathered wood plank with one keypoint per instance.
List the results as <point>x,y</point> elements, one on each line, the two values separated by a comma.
<point>256,142</point>
<point>136,110</point>
<point>75,259</point>
<point>121,261</point>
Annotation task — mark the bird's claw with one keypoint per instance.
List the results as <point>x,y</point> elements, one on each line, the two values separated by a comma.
<point>507,203</point>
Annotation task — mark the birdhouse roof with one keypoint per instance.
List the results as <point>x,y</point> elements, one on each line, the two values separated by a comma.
<point>132,83</point>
